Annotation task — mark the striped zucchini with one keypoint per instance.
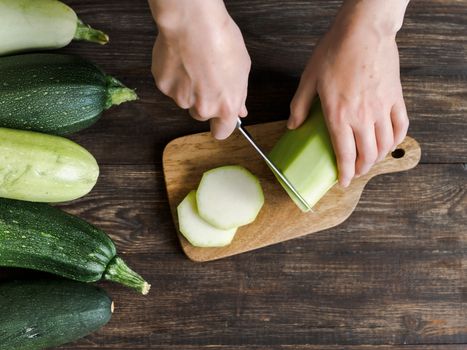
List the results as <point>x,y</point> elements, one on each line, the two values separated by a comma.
<point>40,237</point>
<point>45,313</point>
<point>57,94</point>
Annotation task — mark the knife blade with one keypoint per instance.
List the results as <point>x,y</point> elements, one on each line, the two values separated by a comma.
<point>271,165</point>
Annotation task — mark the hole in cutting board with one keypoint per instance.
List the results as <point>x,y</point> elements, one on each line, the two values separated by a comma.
<point>398,153</point>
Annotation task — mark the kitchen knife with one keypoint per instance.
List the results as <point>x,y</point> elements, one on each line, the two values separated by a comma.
<point>271,165</point>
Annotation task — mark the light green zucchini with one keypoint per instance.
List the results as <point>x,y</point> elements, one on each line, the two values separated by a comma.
<point>27,25</point>
<point>44,168</point>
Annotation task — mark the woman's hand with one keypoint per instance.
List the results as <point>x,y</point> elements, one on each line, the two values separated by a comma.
<point>201,62</point>
<point>355,71</point>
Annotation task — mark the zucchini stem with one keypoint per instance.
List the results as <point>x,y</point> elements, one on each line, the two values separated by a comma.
<point>117,93</point>
<point>118,271</point>
<point>87,33</point>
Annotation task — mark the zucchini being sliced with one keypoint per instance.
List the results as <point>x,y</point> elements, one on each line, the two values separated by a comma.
<point>306,158</point>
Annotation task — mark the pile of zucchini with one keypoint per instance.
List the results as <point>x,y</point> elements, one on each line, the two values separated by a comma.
<point>44,96</point>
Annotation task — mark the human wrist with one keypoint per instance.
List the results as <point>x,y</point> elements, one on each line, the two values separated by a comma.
<point>172,16</point>
<point>380,16</point>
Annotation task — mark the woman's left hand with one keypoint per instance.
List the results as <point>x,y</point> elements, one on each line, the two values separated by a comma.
<point>355,71</point>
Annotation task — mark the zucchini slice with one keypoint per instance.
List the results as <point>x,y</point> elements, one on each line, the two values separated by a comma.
<point>229,197</point>
<point>197,231</point>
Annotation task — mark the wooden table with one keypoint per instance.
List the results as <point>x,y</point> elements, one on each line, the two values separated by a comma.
<point>393,276</point>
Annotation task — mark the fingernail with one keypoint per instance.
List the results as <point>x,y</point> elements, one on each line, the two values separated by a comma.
<point>291,124</point>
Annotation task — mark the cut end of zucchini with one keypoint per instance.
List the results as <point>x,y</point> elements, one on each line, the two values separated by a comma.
<point>118,271</point>
<point>146,288</point>
<point>112,307</point>
<point>197,231</point>
<point>306,158</point>
<point>117,93</point>
<point>85,32</point>
<point>229,196</point>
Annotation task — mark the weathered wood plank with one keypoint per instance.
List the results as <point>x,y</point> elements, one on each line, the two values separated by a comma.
<point>295,299</point>
<point>433,32</point>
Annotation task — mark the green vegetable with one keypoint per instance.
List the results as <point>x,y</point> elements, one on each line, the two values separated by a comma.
<point>56,94</point>
<point>197,231</point>
<point>27,25</point>
<point>229,197</point>
<point>47,313</point>
<point>44,168</point>
<point>40,237</point>
<point>306,158</point>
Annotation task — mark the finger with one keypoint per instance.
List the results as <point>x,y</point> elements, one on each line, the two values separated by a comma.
<point>384,137</point>
<point>195,115</point>
<point>400,122</point>
<point>228,113</point>
<point>222,128</point>
<point>182,94</point>
<point>243,112</point>
<point>367,149</point>
<point>302,100</point>
<point>166,85</point>
<point>343,143</point>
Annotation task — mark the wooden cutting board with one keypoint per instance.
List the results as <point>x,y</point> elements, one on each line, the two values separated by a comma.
<point>186,159</point>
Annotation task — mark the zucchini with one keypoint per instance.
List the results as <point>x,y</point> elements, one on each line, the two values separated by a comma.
<point>229,196</point>
<point>197,231</point>
<point>55,94</point>
<point>40,237</point>
<point>44,313</point>
<point>306,158</point>
<point>44,168</point>
<point>27,25</point>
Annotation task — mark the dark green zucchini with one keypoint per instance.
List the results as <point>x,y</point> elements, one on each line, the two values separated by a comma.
<point>40,237</point>
<point>47,313</point>
<point>56,94</point>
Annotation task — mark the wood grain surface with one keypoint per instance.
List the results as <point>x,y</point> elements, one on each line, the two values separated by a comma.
<point>392,276</point>
<point>186,158</point>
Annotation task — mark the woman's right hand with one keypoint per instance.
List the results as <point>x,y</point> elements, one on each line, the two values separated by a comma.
<point>201,62</point>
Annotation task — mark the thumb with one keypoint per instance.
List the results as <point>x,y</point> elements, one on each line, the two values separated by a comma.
<point>301,102</point>
<point>222,128</point>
